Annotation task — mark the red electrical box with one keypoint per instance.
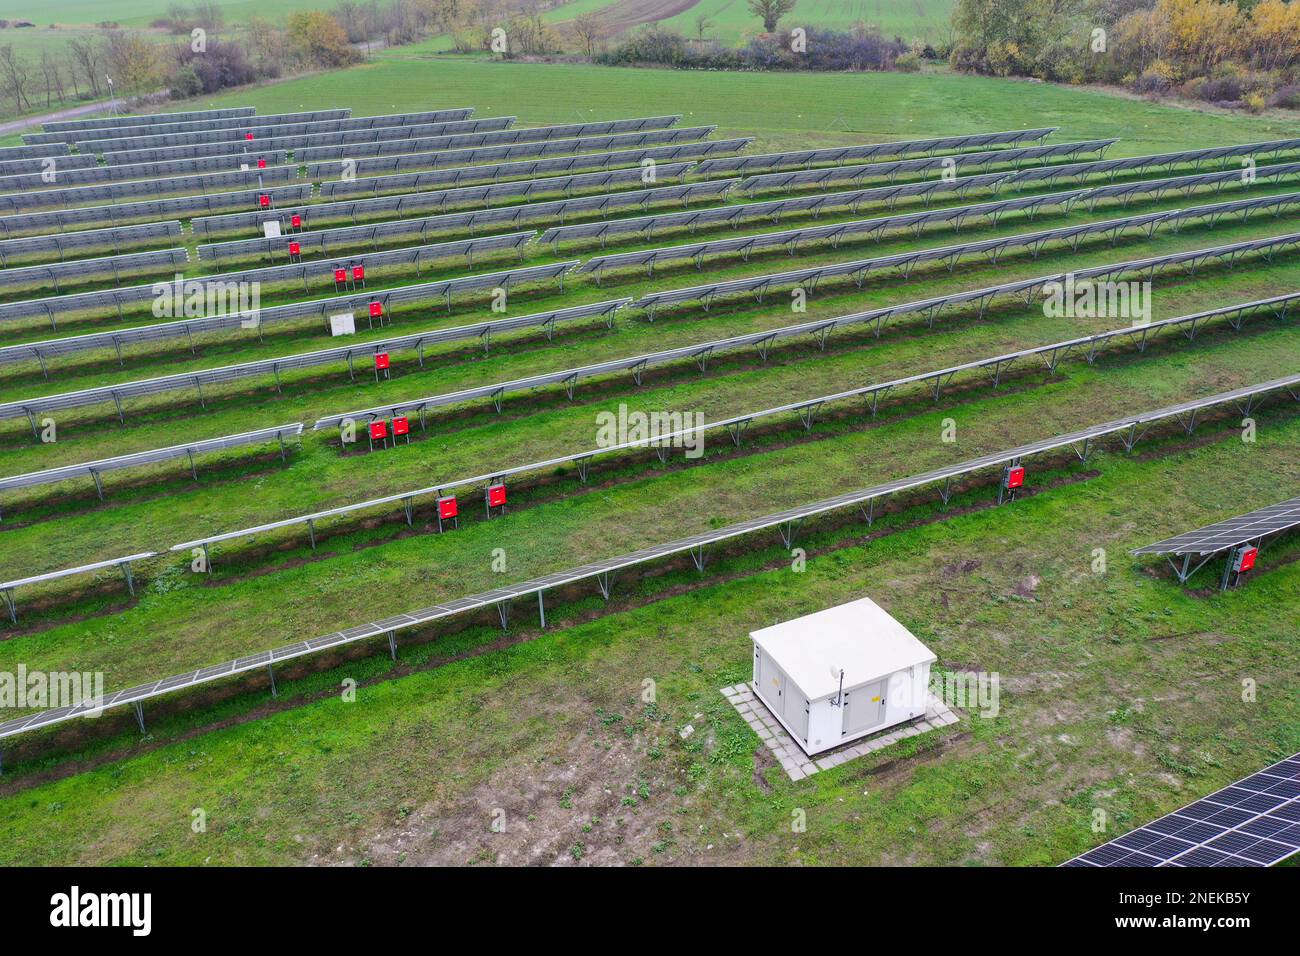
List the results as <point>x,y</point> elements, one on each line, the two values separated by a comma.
<point>248,136</point>
<point>264,200</point>
<point>378,430</point>
<point>261,164</point>
<point>447,507</point>
<point>496,496</point>
<point>401,426</point>
<point>358,273</point>
<point>295,221</point>
<point>1014,478</point>
<point>295,249</point>
<point>1245,559</point>
<point>340,275</point>
<point>381,361</point>
<point>376,310</point>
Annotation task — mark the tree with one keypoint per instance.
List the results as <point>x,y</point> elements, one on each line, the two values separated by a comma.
<point>88,56</point>
<point>320,39</point>
<point>15,75</point>
<point>702,24</point>
<point>771,11</point>
<point>587,28</point>
<point>132,61</point>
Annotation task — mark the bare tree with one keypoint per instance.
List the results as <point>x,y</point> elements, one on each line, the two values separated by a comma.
<point>88,56</point>
<point>50,76</point>
<point>14,73</point>
<point>702,24</point>
<point>587,28</point>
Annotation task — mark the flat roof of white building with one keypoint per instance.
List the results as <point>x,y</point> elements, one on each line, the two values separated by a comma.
<point>860,637</point>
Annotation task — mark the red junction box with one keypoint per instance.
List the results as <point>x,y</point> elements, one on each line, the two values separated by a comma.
<point>376,310</point>
<point>295,249</point>
<point>381,361</point>
<point>248,136</point>
<point>496,496</point>
<point>401,426</point>
<point>358,273</point>
<point>295,221</point>
<point>378,430</point>
<point>1246,558</point>
<point>447,507</point>
<point>264,200</point>
<point>1015,477</point>
<point>340,275</point>
<point>261,164</point>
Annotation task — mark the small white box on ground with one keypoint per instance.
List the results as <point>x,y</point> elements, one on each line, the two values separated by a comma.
<point>345,323</point>
<point>271,229</point>
<point>840,674</point>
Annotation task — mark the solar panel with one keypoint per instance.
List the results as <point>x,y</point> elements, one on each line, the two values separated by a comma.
<point>1086,347</point>
<point>183,185</point>
<point>10,153</point>
<point>115,237</point>
<point>82,270</point>
<point>96,469</point>
<point>283,136</point>
<point>1253,822</point>
<point>351,167</point>
<point>323,271</point>
<point>313,216</point>
<point>328,120</point>
<point>1231,532</point>
<point>116,122</point>
<point>763,340</point>
<point>872,151</point>
<point>38,164</point>
<point>525,169</point>
<point>485,136</point>
<point>603,569</point>
<point>947,164</point>
<point>7,588</point>
<point>69,176</point>
<point>41,222</point>
<point>31,407</point>
<point>809,278</point>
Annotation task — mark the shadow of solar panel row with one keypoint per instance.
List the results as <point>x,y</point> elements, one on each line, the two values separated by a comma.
<point>329,120</point>
<point>1253,822</point>
<point>84,270</point>
<point>143,119</point>
<point>97,469</point>
<point>236,123</point>
<point>604,569</point>
<point>528,169</point>
<point>321,308</point>
<point>398,206</point>
<point>837,155</point>
<point>283,136</point>
<point>350,166</point>
<point>790,239</point>
<point>481,136</point>
<point>1086,347</point>
<point>178,185</point>
<point>115,237</point>
<point>40,164</point>
<point>1231,532</point>
<point>107,301</point>
<point>43,222</point>
<point>809,278</point>
<point>772,182</point>
<point>61,176</point>
<point>123,564</point>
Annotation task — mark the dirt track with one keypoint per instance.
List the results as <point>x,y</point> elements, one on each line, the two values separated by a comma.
<point>626,14</point>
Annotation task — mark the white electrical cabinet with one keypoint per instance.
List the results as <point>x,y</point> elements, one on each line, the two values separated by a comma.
<point>840,674</point>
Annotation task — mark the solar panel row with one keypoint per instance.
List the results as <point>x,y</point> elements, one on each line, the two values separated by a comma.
<point>604,569</point>
<point>116,238</point>
<point>184,126</point>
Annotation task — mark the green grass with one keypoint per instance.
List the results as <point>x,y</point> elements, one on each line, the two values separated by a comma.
<point>1121,690</point>
<point>730,21</point>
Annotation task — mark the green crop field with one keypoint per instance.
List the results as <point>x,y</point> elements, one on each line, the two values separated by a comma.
<point>1121,690</point>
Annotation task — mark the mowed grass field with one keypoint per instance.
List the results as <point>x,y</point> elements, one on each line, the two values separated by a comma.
<point>1120,690</point>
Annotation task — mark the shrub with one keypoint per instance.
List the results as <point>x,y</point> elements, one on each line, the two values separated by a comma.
<point>908,62</point>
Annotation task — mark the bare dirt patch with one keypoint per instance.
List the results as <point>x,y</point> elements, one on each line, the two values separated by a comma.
<point>626,14</point>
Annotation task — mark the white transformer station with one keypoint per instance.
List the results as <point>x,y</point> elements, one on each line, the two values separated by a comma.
<point>840,674</point>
